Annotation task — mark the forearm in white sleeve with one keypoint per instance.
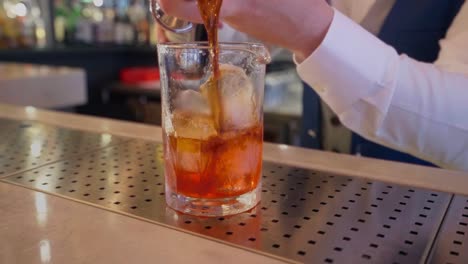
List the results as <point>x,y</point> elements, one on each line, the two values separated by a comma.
<point>390,99</point>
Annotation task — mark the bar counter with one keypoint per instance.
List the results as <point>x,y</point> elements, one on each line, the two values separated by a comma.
<point>78,189</point>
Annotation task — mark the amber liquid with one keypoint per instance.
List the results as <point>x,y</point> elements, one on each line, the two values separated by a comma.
<point>209,10</point>
<point>221,166</point>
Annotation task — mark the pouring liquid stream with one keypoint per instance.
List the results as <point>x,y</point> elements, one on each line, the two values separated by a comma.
<point>209,10</point>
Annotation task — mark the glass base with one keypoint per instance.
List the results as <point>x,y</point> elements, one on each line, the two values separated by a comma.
<point>213,207</point>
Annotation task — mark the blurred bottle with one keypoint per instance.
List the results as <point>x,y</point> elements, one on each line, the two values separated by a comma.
<point>73,18</point>
<point>61,12</point>
<point>124,30</point>
<point>39,25</point>
<point>138,15</point>
<point>3,24</point>
<point>87,16</point>
<point>27,33</point>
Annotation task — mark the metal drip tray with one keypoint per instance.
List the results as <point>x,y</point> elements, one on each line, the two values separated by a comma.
<point>26,145</point>
<point>305,216</point>
<point>452,241</point>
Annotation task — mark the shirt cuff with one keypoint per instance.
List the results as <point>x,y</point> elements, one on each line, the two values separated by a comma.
<point>350,64</point>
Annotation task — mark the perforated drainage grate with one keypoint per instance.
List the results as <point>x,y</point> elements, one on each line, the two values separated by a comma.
<point>452,241</point>
<point>304,215</point>
<point>26,145</point>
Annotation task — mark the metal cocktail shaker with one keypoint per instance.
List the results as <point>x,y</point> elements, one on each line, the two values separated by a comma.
<point>177,29</point>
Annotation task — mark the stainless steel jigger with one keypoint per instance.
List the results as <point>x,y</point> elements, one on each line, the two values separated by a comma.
<point>170,23</point>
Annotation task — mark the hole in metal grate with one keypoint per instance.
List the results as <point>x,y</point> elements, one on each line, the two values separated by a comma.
<point>338,249</point>
<point>365,256</point>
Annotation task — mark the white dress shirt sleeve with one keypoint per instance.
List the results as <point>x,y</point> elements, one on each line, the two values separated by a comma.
<point>401,103</point>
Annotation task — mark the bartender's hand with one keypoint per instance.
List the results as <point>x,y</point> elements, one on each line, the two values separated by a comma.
<point>298,25</point>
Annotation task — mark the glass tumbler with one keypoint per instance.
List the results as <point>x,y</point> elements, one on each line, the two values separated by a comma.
<point>212,155</point>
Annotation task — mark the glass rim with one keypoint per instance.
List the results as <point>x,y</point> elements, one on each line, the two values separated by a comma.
<point>205,45</point>
<point>259,50</point>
